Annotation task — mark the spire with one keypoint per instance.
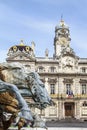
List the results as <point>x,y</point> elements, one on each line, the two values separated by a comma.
<point>62,23</point>
<point>61,17</point>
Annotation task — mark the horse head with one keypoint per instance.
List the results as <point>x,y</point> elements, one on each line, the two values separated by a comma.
<point>15,73</point>
<point>12,73</point>
<point>38,90</point>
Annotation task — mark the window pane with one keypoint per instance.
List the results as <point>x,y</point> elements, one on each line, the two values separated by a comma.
<point>52,69</point>
<point>83,88</point>
<point>52,89</point>
<point>83,70</point>
<point>69,92</point>
<point>40,69</point>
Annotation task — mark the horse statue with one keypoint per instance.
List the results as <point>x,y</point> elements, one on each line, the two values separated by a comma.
<point>12,105</point>
<point>38,91</point>
<point>15,74</point>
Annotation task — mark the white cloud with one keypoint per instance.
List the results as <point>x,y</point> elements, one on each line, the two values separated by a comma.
<point>16,19</point>
<point>3,55</point>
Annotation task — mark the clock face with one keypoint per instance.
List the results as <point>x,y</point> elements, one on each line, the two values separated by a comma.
<point>63,32</point>
<point>63,40</point>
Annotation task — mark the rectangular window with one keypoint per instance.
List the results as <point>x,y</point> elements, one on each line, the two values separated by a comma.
<point>52,69</point>
<point>69,91</point>
<point>40,69</point>
<point>83,70</point>
<point>68,87</point>
<point>83,88</point>
<point>52,88</point>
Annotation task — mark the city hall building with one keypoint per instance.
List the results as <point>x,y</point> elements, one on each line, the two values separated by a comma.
<point>64,75</point>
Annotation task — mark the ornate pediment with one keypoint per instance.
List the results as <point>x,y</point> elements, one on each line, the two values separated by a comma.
<point>68,61</point>
<point>83,81</point>
<point>68,80</point>
<point>68,52</point>
<point>19,56</point>
<point>52,80</point>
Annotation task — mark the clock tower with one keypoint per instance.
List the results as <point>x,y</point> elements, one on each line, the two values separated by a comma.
<point>62,38</point>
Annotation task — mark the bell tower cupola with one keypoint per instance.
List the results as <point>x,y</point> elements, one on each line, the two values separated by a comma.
<point>62,37</point>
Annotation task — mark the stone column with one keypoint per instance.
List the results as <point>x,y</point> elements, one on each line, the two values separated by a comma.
<point>77,109</point>
<point>60,111</point>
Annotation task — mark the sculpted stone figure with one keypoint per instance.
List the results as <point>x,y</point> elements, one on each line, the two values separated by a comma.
<point>13,75</point>
<point>13,105</point>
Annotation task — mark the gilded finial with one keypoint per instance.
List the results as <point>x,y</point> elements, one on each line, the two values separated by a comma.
<point>21,43</point>
<point>62,21</point>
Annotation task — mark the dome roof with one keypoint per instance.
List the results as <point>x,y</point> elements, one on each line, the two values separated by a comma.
<point>21,47</point>
<point>62,24</point>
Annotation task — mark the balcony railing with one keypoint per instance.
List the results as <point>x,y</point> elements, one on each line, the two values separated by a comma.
<point>65,96</point>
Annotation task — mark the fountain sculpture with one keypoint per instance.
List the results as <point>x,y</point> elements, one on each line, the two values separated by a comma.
<point>13,75</point>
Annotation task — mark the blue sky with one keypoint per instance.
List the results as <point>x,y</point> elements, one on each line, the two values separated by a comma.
<point>35,20</point>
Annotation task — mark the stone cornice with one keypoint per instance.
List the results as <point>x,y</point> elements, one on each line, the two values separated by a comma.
<point>83,81</point>
<point>11,58</point>
<point>52,80</point>
<point>62,74</point>
<point>68,80</point>
<point>47,62</point>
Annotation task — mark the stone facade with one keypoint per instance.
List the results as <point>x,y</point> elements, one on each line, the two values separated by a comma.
<point>64,75</point>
